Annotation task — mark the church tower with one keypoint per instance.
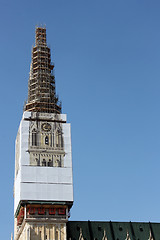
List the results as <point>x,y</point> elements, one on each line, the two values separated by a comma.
<point>43,186</point>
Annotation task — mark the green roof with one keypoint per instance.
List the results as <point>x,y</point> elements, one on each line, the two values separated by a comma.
<point>90,230</point>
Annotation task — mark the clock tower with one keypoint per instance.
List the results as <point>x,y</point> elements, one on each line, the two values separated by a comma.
<point>43,186</point>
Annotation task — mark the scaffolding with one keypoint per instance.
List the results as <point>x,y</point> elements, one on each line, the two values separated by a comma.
<point>41,85</point>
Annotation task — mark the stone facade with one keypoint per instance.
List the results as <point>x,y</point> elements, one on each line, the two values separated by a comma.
<point>39,231</point>
<point>48,136</point>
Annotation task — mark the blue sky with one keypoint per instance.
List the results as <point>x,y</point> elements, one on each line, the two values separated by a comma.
<point>107,69</point>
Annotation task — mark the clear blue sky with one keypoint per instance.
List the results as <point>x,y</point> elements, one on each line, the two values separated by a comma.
<point>107,68</point>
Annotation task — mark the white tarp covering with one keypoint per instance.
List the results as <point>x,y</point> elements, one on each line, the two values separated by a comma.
<point>42,183</point>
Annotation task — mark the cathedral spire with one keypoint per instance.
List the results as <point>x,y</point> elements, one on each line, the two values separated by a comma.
<point>41,85</point>
<point>43,186</point>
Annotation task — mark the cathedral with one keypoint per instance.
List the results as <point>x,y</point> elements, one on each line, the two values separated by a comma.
<point>43,185</point>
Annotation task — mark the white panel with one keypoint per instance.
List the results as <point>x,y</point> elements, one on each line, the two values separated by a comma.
<point>63,117</point>
<point>67,129</point>
<point>26,115</point>
<point>46,174</point>
<point>44,192</point>
<point>67,145</point>
<point>68,160</point>
<point>16,191</point>
<point>24,135</point>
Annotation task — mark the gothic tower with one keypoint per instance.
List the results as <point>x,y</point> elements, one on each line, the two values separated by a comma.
<point>43,186</point>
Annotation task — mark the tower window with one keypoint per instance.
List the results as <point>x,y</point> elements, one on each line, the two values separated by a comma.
<point>34,138</point>
<point>37,161</point>
<point>58,163</point>
<point>61,140</point>
<point>46,140</point>
<point>53,139</point>
<point>44,162</point>
<point>57,140</point>
<point>50,163</point>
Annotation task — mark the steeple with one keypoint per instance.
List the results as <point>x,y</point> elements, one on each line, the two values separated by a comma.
<point>43,186</point>
<point>41,85</point>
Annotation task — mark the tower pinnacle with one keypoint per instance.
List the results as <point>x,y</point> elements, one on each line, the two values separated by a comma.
<point>41,85</point>
<point>43,185</point>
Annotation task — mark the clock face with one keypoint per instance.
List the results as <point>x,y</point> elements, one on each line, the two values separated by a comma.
<point>46,127</point>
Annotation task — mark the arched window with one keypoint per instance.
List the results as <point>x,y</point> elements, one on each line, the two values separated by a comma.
<point>37,161</point>
<point>34,138</point>
<point>53,139</point>
<point>44,162</point>
<point>50,163</point>
<point>46,140</point>
<point>58,163</point>
<point>61,140</point>
<point>57,139</point>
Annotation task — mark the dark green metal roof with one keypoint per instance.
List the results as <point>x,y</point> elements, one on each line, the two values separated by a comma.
<point>90,230</point>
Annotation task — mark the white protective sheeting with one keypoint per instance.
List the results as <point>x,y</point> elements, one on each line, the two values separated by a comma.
<point>46,192</point>
<point>43,183</point>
